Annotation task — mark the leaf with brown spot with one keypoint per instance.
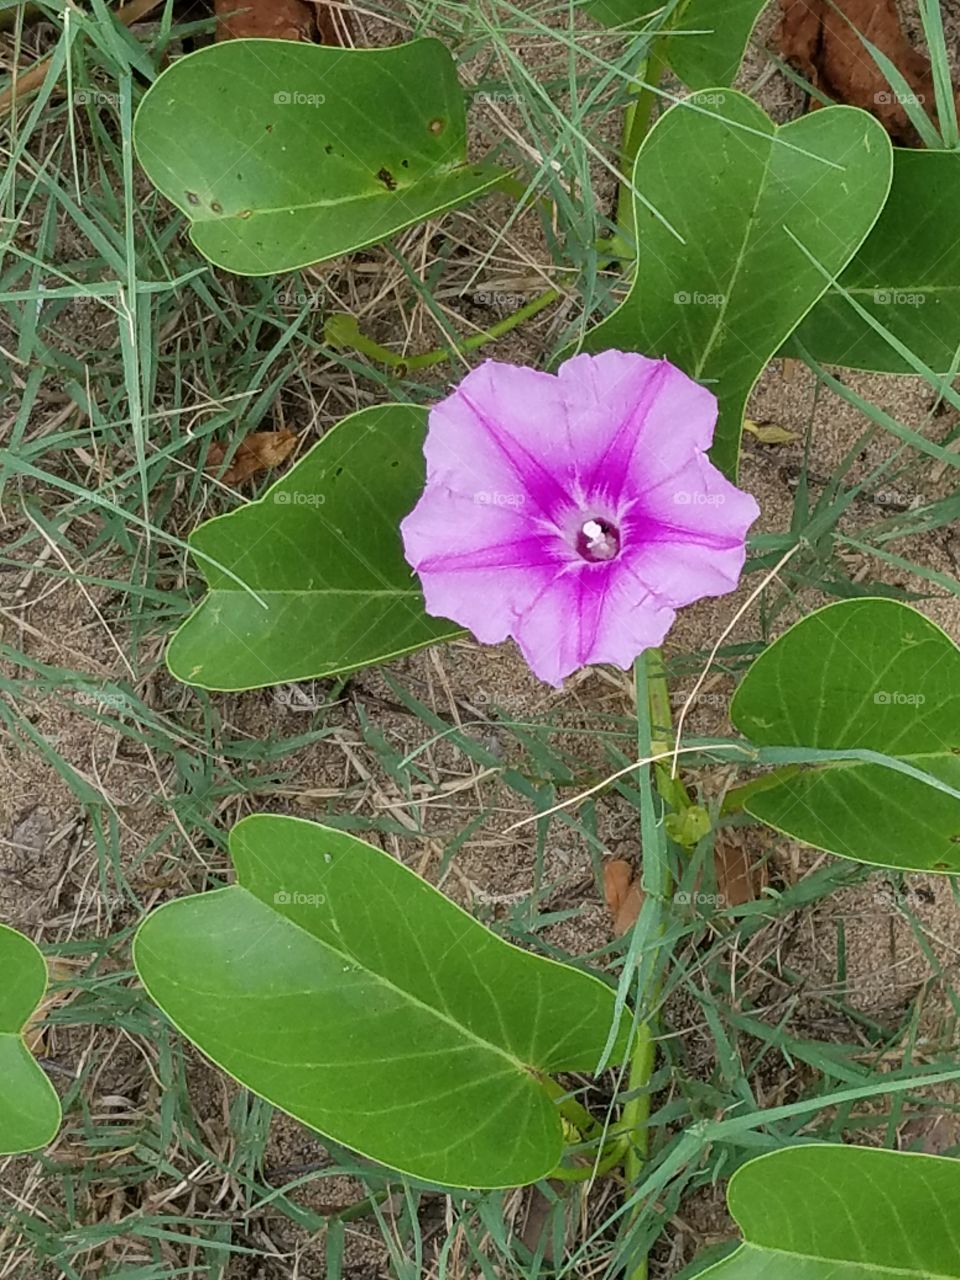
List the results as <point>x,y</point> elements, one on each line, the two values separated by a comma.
<point>817,37</point>
<point>623,894</point>
<point>259,451</point>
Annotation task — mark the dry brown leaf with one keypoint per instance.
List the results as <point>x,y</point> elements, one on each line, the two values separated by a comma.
<point>259,451</point>
<point>283,20</point>
<point>819,41</point>
<point>769,432</point>
<point>738,879</point>
<point>934,1134</point>
<point>265,20</point>
<point>623,894</point>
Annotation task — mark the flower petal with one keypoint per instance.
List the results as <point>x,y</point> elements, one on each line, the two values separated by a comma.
<point>519,462</point>
<point>590,614</point>
<point>479,564</point>
<point>687,535</point>
<point>659,417</point>
<point>493,436</point>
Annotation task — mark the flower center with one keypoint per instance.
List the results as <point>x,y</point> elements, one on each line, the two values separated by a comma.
<point>598,540</point>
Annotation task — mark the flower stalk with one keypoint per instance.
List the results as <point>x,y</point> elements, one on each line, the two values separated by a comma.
<point>342,331</point>
<point>653,738</point>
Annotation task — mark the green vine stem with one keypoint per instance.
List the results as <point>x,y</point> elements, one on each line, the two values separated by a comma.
<point>573,1111</point>
<point>653,738</point>
<point>342,331</point>
<point>636,125</point>
<point>736,797</point>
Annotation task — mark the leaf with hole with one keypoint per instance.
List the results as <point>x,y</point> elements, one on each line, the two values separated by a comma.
<point>310,579</point>
<point>906,275</point>
<point>861,675</point>
<point>284,154</point>
<point>826,1212</point>
<point>29,1106</point>
<point>723,275</point>
<point>344,989</point>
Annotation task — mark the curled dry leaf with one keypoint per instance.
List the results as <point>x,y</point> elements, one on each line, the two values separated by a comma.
<point>623,894</point>
<point>769,432</point>
<point>259,451</point>
<point>817,37</point>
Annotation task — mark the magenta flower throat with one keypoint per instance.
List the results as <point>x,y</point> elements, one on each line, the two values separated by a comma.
<point>577,511</point>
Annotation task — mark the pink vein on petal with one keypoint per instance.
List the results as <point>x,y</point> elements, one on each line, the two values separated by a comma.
<point>612,465</point>
<point>526,554</point>
<point>539,484</point>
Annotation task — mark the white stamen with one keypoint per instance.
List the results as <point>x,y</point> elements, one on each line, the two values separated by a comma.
<point>602,544</point>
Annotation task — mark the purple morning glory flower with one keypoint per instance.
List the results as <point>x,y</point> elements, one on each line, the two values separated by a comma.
<point>575,511</point>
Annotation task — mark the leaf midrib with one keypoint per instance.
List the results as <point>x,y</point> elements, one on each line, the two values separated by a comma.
<point>397,193</point>
<point>515,1063</point>
<point>868,290</point>
<point>311,591</point>
<point>738,264</point>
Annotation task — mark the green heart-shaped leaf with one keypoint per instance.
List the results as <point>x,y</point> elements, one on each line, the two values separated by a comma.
<point>711,53</point>
<point>906,275</point>
<point>870,675</point>
<point>347,991</point>
<point>29,1106</point>
<point>284,154</point>
<point>844,1213</point>
<point>749,202</point>
<point>310,579</point>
